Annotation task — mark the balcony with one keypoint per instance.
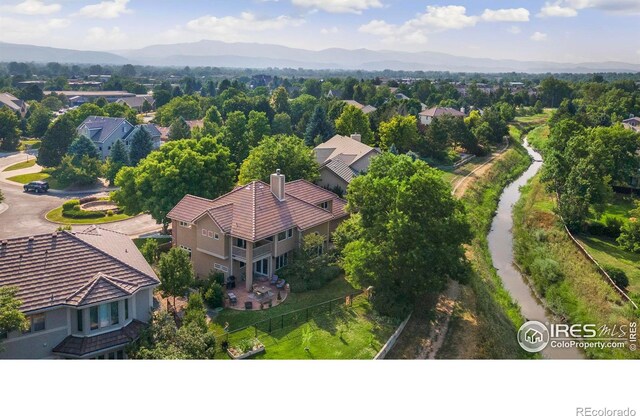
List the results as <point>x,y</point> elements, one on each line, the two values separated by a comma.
<point>261,249</point>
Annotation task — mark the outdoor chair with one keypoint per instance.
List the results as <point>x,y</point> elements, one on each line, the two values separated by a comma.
<point>280,284</point>
<point>232,298</point>
<point>274,279</point>
<point>248,305</point>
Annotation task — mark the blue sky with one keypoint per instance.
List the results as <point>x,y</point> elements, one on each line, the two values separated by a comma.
<point>555,30</point>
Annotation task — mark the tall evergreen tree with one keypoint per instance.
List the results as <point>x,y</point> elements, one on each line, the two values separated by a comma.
<point>118,158</point>
<point>56,141</point>
<point>179,129</point>
<point>82,146</point>
<point>318,126</point>
<point>141,146</point>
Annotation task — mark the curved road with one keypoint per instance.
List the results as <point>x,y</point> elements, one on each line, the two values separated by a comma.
<point>25,212</point>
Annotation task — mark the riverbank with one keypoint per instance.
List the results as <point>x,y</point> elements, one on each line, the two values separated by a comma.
<point>485,319</point>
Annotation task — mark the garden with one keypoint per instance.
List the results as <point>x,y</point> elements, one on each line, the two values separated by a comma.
<point>88,210</point>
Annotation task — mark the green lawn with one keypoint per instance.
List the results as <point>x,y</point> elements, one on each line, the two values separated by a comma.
<point>355,332</point>
<point>55,215</point>
<point>607,252</point>
<point>21,165</point>
<point>538,137</point>
<point>41,176</point>
<point>464,170</point>
<point>618,207</point>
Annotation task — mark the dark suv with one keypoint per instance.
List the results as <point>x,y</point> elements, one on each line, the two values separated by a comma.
<point>37,186</point>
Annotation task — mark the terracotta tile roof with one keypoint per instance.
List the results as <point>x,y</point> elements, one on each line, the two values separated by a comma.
<point>252,212</point>
<point>81,346</point>
<point>64,268</point>
<point>439,111</point>
<point>348,149</point>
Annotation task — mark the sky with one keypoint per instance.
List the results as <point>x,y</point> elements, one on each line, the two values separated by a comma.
<point>555,30</point>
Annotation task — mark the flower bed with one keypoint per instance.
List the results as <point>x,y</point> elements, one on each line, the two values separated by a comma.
<point>245,349</point>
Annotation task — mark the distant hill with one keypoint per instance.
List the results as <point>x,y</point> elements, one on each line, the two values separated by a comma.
<point>255,55</point>
<point>29,53</point>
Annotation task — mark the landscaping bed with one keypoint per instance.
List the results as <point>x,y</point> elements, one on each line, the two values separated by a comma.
<point>71,212</point>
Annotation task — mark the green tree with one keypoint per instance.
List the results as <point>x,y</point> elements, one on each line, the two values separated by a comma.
<point>353,120</point>
<point>38,121</point>
<point>312,87</point>
<point>186,107</point>
<point>121,111</point>
<point>118,158</point>
<point>553,91</point>
<point>11,318</point>
<point>412,232</point>
<point>280,100</point>
<point>401,131</point>
<point>52,103</point>
<point>234,135</point>
<point>32,92</point>
<point>150,250</point>
<point>179,130</point>
<point>56,141</point>
<point>81,113</point>
<point>146,107</point>
<point>80,147</point>
<point>201,168</point>
<point>212,121</point>
<point>195,312</point>
<point>257,127</point>
<point>319,127</point>
<point>141,145</point>
<point>287,153</point>
<point>175,272</point>
<point>630,236</point>
<point>281,124</point>
<point>9,130</point>
<point>83,172</point>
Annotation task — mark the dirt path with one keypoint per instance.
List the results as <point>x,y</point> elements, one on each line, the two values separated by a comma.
<point>435,329</point>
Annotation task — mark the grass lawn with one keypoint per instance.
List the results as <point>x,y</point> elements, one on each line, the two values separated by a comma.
<point>607,252</point>
<point>538,137</point>
<point>21,165</point>
<point>464,170</point>
<point>355,332</point>
<point>41,176</point>
<point>55,215</point>
<point>618,207</point>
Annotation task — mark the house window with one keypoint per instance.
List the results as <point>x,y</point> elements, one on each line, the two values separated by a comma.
<point>36,323</point>
<point>290,233</point>
<point>216,236</point>
<point>126,309</point>
<point>282,260</point>
<point>285,234</point>
<point>204,232</point>
<point>221,267</point>
<point>325,205</point>
<point>104,315</point>
<point>187,249</point>
<point>241,243</point>
<point>242,264</point>
<point>184,224</point>
<point>79,317</point>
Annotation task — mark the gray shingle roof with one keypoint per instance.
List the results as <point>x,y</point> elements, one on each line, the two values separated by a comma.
<point>81,346</point>
<point>101,127</point>
<point>340,168</point>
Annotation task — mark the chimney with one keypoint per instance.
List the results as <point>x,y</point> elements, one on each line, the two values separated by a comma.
<point>357,137</point>
<point>277,185</point>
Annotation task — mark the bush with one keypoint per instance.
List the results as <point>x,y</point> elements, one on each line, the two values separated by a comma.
<point>596,228</point>
<point>214,296</point>
<point>547,272</point>
<point>629,238</point>
<point>109,213</point>
<point>612,226</point>
<point>76,208</point>
<point>79,214</point>
<point>618,276</point>
<point>215,277</point>
<point>70,204</point>
<point>150,251</point>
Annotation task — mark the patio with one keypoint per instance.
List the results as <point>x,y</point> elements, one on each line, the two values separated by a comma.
<point>263,296</point>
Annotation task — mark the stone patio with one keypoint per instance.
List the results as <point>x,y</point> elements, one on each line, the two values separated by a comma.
<point>263,294</point>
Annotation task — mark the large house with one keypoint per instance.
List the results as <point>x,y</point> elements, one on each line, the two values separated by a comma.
<point>85,294</point>
<point>632,123</point>
<point>365,108</point>
<point>341,158</point>
<point>427,116</point>
<point>137,102</point>
<point>105,131</point>
<point>13,103</point>
<point>253,230</point>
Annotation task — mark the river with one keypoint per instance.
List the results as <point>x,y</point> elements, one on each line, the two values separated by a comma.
<point>501,247</point>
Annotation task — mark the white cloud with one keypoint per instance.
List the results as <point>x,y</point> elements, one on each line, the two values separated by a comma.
<point>18,30</point>
<point>231,28</point>
<point>557,10</point>
<point>444,17</point>
<point>105,9</point>
<point>506,15</point>
<point>339,6</point>
<point>32,7</point>
<point>379,28</point>
<point>102,36</point>
<point>329,30</point>
<point>538,36</point>
<point>514,29</point>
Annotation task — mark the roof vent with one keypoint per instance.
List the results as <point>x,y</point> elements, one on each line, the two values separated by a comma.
<point>31,238</point>
<point>54,235</point>
<point>5,242</point>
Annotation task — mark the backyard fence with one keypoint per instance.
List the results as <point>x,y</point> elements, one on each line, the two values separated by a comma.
<point>289,320</point>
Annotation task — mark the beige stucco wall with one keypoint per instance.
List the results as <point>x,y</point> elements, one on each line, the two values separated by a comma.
<point>362,164</point>
<point>329,180</point>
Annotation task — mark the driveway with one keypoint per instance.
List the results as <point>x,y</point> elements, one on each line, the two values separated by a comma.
<point>24,214</point>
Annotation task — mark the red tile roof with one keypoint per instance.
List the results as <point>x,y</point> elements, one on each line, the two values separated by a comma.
<point>67,269</point>
<point>252,212</point>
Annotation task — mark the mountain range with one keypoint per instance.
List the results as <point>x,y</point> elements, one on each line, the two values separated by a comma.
<point>256,55</point>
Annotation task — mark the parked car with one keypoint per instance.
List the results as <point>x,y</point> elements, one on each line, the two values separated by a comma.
<point>37,186</point>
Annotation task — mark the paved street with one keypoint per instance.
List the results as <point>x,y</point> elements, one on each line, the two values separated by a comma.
<point>25,212</point>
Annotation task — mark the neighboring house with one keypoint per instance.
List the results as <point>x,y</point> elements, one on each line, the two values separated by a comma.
<point>253,230</point>
<point>341,158</point>
<point>632,123</point>
<point>334,94</point>
<point>365,108</point>
<point>81,97</point>
<point>13,103</point>
<point>86,294</point>
<point>105,131</point>
<point>137,101</point>
<point>427,116</point>
<point>401,96</point>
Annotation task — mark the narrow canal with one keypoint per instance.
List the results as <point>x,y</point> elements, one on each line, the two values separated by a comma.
<point>501,247</point>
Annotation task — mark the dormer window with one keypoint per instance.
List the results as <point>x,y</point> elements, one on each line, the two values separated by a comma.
<point>325,205</point>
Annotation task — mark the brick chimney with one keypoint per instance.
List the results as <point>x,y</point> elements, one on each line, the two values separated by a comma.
<point>277,185</point>
<point>357,137</point>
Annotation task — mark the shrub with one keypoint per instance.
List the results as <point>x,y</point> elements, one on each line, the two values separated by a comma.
<point>629,238</point>
<point>618,276</point>
<point>70,204</point>
<point>150,251</point>
<point>76,208</point>
<point>547,272</point>
<point>214,296</point>
<point>596,228</point>
<point>215,277</point>
<point>80,214</point>
<point>109,213</point>
<point>612,226</point>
